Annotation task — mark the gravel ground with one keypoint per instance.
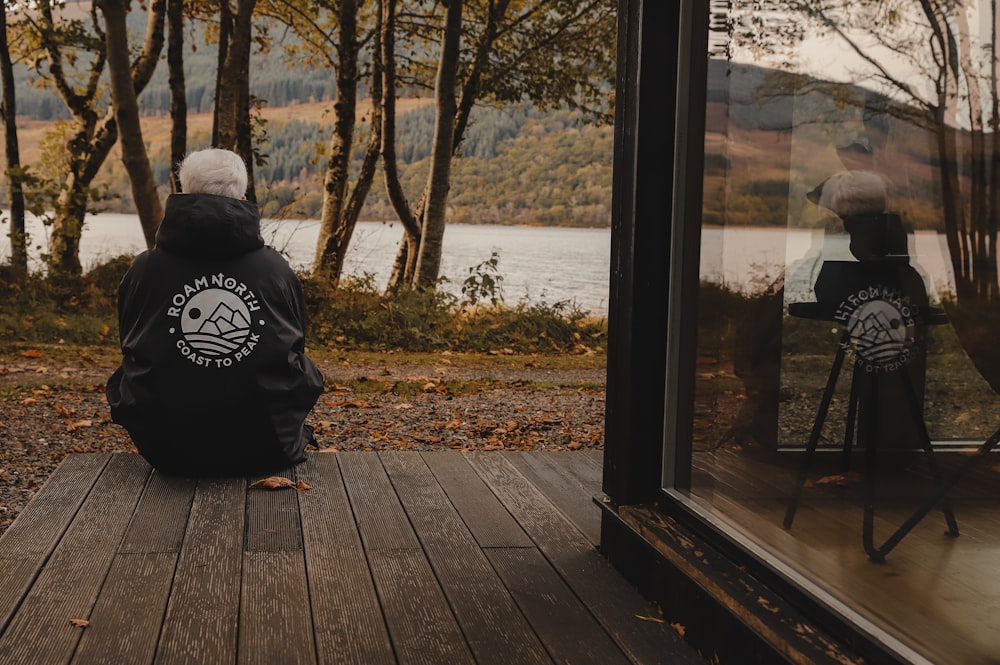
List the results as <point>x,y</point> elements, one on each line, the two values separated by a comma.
<point>49,409</point>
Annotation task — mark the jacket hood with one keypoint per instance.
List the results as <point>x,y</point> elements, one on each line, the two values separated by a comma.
<point>206,225</point>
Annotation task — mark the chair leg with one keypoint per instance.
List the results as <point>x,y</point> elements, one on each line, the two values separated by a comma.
<point>870,443</point>
<point>981,454</point>
<point>949,514</point>
<point>942,489</point>
<point>817,429</point>
<point>852,417</point>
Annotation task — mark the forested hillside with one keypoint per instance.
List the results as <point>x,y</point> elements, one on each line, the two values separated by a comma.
<point>518,165</point>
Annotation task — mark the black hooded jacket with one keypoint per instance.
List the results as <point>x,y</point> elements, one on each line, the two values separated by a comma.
<point>214,378</point>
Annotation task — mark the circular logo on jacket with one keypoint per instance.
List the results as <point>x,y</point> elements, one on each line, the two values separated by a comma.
<point>215,320</point>
<point>881,324</point>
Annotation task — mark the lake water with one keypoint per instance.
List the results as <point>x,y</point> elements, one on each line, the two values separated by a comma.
<point>541,264</point>
<point>538,264</point>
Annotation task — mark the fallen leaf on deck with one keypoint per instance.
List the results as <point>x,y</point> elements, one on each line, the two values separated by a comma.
<point>841,479</point>
<point>277,482</point>
<point>82,623</point>
<point>679,628</point>
<point>272,483</point>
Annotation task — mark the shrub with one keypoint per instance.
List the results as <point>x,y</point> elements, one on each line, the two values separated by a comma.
<point>351,314</point>
<point>355,315</point>
<point>79,310</point>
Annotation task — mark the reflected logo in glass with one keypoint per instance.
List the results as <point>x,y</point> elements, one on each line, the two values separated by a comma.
<point>881,326</point>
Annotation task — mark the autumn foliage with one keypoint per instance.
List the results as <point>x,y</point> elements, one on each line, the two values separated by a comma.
<point>355,314</point>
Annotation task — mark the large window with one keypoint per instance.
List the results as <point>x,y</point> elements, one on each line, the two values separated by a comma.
<point>848,310</point>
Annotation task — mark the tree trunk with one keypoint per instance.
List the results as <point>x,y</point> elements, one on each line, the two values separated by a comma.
<point>178,91</point>
<point>8,112</point>
<point>225,30</point>
<point>232,101</point>
<point>415,221</point>
<point>234,76</point>
<point>428,264</point>
<point>126,109</point>
<point>402,271</point>
<point>983,260</point>
<point>244,135</point>
<point>994,153</point>
<point>341,203</point>
<point>91,141</point>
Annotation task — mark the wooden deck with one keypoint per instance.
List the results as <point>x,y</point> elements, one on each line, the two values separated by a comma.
<point>402,557</point>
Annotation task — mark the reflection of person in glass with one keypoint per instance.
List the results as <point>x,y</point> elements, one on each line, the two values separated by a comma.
<point>880,299</point>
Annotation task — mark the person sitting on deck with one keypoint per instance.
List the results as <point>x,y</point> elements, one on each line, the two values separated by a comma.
<point>214,380</point>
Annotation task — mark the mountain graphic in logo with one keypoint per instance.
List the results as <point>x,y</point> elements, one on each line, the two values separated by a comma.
<point>880,332</point>
<point>215,322</point>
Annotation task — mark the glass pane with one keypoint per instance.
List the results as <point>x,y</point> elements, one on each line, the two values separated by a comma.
<point>848,303</point>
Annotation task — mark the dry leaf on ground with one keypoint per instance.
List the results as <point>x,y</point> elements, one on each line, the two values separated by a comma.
<point>272,483</point>
<point>841,479</point>
<point>277,482</point>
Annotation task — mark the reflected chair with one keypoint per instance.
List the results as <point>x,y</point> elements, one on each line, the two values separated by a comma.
<point>882,306</point>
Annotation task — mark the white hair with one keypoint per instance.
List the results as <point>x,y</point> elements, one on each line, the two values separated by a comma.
<point>854,193</point>
<point>213,171</point>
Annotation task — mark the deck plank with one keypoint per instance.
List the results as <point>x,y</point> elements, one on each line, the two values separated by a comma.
<point>125,624</point>
<point>614,603</point>
<point>346,614</point>
<point>68,585</point>
<point>161,517</point>
<point>493,625</point>
<point>391,557</point>
<point>272,522</point>
<point>200,626</point>
<point>582,465</point>
<point>29,541</point>
<point>421,624</point>
<point>562,488</point>
<point>275,619</point>
<point>595,457</point>
<point>490,523</point>
<point>551,606</point>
